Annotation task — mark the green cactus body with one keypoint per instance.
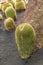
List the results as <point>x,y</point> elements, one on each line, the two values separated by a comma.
<point>20,5</point>
<point>9,24</point>
<point>5,5</point>
<point>25,37</point>
<point>10,12</point>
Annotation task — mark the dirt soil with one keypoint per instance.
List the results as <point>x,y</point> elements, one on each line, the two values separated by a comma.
<point>34,15</point>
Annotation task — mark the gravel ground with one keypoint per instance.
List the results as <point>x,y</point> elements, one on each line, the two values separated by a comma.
<point>8,50</point>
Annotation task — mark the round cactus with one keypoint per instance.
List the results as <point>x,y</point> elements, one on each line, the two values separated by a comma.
<point>20,5</point>
<point>5,5</point>
<point>25,1</point>
<point>25,37</point>
<point>9,24</point>
<point>10,12</point>
<point>12,2</point>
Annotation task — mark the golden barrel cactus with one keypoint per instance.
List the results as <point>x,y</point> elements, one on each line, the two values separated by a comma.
<point>25,37</point>
<point>12,2</point>
<point>5,5</point>
<point>20,5</point>
<point>10,12</point>
<point>9,24</point>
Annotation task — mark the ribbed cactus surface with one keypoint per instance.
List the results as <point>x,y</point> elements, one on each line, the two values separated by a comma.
<point>25,37</point>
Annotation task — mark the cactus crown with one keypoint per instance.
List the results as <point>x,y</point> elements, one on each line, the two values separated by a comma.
<point>20,5</point>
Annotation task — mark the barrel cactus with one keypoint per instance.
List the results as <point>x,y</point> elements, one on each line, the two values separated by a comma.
<point>9,24</point>
<point>25,1</point>
<point>12,2</point>
<point>10,12</point>
<point>20,5</point>
<point>5,5</point>
<point>25,37</point>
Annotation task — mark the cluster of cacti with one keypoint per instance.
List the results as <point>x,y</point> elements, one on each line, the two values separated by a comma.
<point>9,24</point>
<point>25,37</point>
<point>20,5</point>
<point>10,12</point>
<point>5,5</point>
<point>24,34</point>
<point>8,9</point>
